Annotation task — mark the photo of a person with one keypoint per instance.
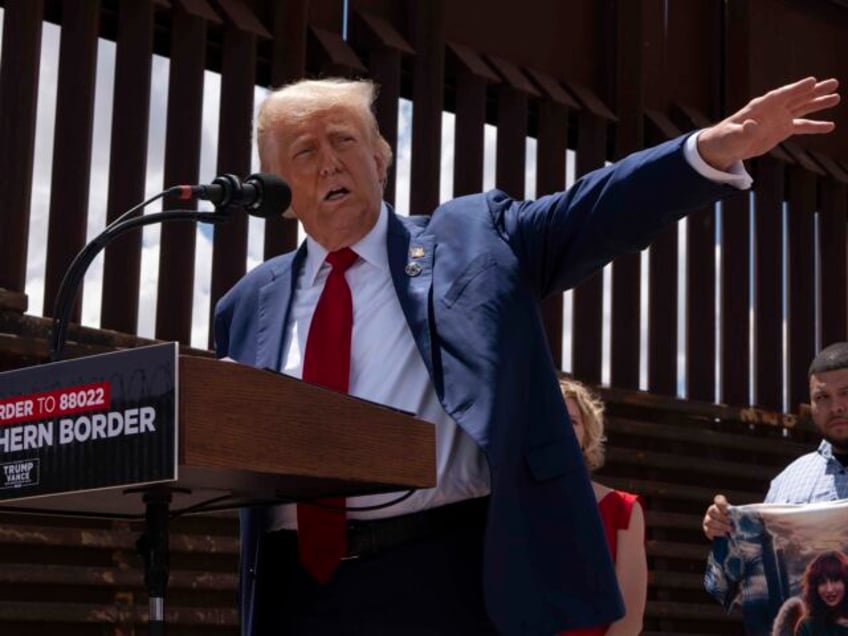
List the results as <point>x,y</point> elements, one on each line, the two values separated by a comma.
<point>823,590</point>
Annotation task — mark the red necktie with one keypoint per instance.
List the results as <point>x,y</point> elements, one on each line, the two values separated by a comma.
<point>322,538</point>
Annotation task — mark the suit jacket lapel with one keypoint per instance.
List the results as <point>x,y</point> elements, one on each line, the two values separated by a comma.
<point>274,304</point>
<point>410,251</point>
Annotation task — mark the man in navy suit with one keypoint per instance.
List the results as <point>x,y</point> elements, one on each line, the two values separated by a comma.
<point>446,325</point>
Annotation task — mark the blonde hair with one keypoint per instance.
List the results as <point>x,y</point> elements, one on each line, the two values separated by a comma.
<point>301,100</point>
<point>592,409</point>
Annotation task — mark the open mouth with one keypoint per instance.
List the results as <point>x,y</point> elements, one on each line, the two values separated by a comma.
<point>336,193</point>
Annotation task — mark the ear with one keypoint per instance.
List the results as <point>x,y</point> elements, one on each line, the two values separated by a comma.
<point>382,168</point>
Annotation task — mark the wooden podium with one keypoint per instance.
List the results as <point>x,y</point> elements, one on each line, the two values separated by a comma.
<point>246,434</point>
<point>239,436</point>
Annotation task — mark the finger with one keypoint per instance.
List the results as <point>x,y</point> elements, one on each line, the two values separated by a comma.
<point>823,88</point>
<point>718,519</point>
<point>795,91</point>
<point>716,529</point>
<point>826,86</point>
<point>713,529</point>
<point>717,516</point>
<point>721,502</point>
<point>811,127</point>
<point>817,103</point>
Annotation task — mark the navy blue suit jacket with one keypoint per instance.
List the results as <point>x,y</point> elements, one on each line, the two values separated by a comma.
<point>473,312</point>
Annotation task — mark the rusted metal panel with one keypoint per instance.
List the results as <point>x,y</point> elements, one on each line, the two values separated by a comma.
<point>82,576</point>
<point>71,144</point>
<point>18,95</point>
<point>243,18</point>
<point>630,69</point>
<point>512,107</point>
<point>326,14</point>
<point>663,303</point>
<point>692,56</point>
<point>832,242</point>
<point>551,88</point>
<point>629,80</point>
<point>700,305</point>
<point>815,28</point>
<point>802,158</point>
<point>288,52</point>
<point>562,39</point>
<point>127,161</point>
<point>382,33</point>
<point>550,177</point>
<point>384,46</point>
<point>332,54</point>
<point>177,241</point>
<point>734,303</point>
<point>288,63</point>
<point>428,38</point>
<point>801,284</point>
<point>831,168</point>
<point>590,101</point>
<point>588,296</point>
<point>472,76</point>
<point>199,9</point>
<point>238,77</point>
<point>663,297</point>
<point>587,332</point>
<point>768,277</point>
<point>734,355</point>
<point>12,300</point>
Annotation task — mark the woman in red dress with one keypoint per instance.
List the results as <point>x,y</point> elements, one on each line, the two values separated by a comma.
<point>621,512</point>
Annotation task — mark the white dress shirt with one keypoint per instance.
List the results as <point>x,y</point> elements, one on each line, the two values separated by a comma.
<point>385,367</point>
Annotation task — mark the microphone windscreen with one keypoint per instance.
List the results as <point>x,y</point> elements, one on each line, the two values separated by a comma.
<point>276,195</point>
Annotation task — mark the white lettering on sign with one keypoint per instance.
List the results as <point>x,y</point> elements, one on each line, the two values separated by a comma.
<point>26,437</point>
<point>15,410</point>
<point>105,425</point>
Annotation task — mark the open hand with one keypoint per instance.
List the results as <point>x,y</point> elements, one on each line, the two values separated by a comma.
<point>767,120</point>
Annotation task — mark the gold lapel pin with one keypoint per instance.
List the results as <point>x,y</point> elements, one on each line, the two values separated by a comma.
<point>416,252</point>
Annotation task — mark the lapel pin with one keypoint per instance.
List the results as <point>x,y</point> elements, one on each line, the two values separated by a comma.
<point>416,252</point>
<point>412,269</point>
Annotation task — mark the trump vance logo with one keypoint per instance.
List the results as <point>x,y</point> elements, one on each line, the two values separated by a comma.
<point>20,473</point>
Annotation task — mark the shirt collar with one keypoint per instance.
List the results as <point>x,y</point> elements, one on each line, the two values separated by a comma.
<point>370,248</point>
<point>825,449</point>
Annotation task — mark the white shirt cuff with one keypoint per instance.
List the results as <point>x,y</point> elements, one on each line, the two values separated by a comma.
<point>735,176</point>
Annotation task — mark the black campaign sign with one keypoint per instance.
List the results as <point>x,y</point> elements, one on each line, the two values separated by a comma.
<point>103,421</point>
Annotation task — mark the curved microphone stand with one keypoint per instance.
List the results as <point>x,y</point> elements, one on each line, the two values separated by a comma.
<point>69,287</point>
<point>262,195</point>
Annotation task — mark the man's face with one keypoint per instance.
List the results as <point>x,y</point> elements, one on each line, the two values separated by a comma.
<point>336,175</point>
<point>829,401</point>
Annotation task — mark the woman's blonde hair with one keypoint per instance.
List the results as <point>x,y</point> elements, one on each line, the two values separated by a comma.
<point>301,100</point>
<point>592,409</point>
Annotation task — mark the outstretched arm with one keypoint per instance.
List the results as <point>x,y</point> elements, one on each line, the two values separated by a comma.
<point>767,120</point>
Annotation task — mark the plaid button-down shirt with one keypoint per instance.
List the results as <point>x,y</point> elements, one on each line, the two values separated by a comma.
<point>816,476</point>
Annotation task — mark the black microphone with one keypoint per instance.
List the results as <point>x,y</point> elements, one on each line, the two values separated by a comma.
<point>263,195</point>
